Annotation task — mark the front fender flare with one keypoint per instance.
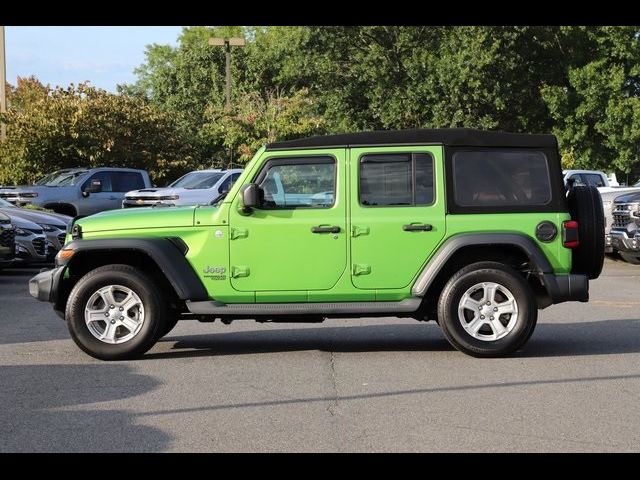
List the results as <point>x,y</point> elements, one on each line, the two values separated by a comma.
<point>168,254</point>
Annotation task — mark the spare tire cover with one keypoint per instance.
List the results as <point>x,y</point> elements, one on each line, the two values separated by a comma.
<point>585,207</point>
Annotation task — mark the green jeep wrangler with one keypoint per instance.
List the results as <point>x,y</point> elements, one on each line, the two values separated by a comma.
<point>472,229</point>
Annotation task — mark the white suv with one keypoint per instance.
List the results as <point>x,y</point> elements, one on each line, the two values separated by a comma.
<point>200,187</point>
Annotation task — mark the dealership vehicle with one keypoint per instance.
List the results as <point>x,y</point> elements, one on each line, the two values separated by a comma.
<point>608,204</point>
<point>7,241</point>
<point>81,191</point>
<point>200,187</point>
<point>31,241</point>
<point>54,224</point>
<point>470,228</point>
<point>625,233</point>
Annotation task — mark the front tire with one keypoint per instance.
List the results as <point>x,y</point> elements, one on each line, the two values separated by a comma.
<point>487,309</point>
<point>115,312</point>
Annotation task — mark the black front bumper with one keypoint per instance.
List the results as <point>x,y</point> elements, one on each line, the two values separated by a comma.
<point>46,285</point>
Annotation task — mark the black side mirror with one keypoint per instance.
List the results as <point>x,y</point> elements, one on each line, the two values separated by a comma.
<point>94,187</point>
<point>251,195</point>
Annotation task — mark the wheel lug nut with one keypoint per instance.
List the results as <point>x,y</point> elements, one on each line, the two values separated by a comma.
<point>111,307</point>
<point>112,322</point>
<point>481,317</point>
<point>106,314</point>
<point>121,309</point>
<point>495,309</point>
<point>121,318</point>
<point>488,303</point>
<point>490,318</point>
<point>480,307</point>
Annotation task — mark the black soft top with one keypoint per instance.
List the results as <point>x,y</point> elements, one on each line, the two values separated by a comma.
<point>458,137</point>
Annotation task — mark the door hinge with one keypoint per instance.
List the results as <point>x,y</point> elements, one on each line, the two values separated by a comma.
<point>361,269</point>
<point>237,272</point>
<point>356,231</point>
<point>239,233</point>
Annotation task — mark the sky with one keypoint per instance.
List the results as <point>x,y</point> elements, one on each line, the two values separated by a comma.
<point>106,56</point>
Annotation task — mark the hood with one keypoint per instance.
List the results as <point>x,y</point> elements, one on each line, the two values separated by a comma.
<point>628,198</point>
<point>42,218</point>
<point>138,218</point>
<point>154,192</point>
<point>20,222</point>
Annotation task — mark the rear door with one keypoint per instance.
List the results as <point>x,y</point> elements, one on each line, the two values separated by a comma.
<point>397,213</point>
<point>122,183</point>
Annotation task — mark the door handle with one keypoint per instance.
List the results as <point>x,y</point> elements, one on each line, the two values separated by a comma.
<point>417,227</point>
<point>319,229</point>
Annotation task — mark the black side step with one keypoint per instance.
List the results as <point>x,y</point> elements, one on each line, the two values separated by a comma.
<point>216,308</point>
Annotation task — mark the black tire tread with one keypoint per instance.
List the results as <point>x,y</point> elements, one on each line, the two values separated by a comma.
<point>487,350</point>
<point>585,206</point>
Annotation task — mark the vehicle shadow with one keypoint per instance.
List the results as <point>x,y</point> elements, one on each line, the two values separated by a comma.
<point>549,340</point>
<point>36,413</point>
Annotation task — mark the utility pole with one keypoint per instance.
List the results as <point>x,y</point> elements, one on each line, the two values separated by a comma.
<point>227,43</point>
<point>3,85</point>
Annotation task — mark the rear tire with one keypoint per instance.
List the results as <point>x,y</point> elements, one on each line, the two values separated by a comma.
<point>487,309</point>
<point>632,259</point>
<point>133,307</point>
<point>585,206</point>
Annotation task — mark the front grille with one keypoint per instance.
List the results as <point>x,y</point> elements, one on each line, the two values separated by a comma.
<point>39,245</point>
<point>144,199</point>
<point>7,237</point>
<point>622,214</point>
<point>61,238</point>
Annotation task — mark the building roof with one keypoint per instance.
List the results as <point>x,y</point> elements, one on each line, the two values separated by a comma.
<point>459,137</point>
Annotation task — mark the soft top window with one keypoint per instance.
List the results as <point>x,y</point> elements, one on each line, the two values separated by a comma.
<point>501,178</point>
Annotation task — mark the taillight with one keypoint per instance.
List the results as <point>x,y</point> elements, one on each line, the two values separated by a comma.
<point>570,234</point>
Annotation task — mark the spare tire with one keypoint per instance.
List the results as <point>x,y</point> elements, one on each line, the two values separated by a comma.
<point>585,207</point>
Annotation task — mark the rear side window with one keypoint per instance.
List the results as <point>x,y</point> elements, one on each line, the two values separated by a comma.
<point>396,179</point>
<point>593,179</point>
<point>127,181</point>
<point>500,178</point>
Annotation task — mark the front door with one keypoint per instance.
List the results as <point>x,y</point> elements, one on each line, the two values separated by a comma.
<point>297,240</point>
<point>397,213</point>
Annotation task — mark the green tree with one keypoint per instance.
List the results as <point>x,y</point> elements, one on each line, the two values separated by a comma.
<point>597,115</point>
<point>257,120</point>
<point>84,126</point>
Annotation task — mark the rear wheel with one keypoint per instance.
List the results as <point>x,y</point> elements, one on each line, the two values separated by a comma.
<point>634,259</point>
<point>487,310</point>
<point>115,312</point>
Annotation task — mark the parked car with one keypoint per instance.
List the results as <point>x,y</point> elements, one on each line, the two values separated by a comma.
<point>31,241</point>
<point>81,191</point>
<point>466,227</point>
<point>608,205</point>
<point>625,233</point>
<point>54,224</point>
<point>7,241</point>
<point>200,187</point>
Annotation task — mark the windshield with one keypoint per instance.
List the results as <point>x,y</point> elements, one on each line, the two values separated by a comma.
<point>65,179</point>
<point>4,203</point>
<point>195,180</point>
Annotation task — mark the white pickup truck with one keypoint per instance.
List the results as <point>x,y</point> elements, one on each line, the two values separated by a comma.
<point>609,190</point>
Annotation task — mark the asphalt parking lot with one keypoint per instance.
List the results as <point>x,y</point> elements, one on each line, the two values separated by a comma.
<point>344,385</point>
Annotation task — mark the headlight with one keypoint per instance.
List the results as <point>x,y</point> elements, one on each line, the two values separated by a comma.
<point>28,195</point>
<point>607,204</point>
<point>50,228</point>
<point>22,233</point>
<point>170,197</point>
